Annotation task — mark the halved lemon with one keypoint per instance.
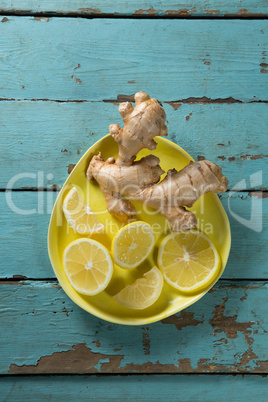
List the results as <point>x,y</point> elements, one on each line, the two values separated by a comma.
<point>79,215</point>
<point>143,292</point>
<point>133,244</point>
<point>88,266</point>
<point>189,261</point>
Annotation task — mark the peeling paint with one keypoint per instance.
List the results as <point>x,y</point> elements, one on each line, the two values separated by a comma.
<point>188,117</point>
<point>184,319</point>
<point>5,19</point>
<point>253,157</point>
<point>183,12</point>
<point>90,10</point>
<point>201,158</point>
<point>148,11</point>
<point>146,341</point>
<point>231,159</point>
<point>41,19</point>
<point>207,63</point>
<point>227,324</point>
<point>222,158</point>
<point>131,82</point>
<point>125,98</point>
<point>97,343</point>
<point>212,12</point>
<point>259,194</point>
<point>175,105</point>
<point>80,359</point>
<point>70,167</point>
<point>76,79</point>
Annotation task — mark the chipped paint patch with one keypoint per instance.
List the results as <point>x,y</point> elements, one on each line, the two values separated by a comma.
<point>259,194</point>
<point>80,359</point>
<point>89,10</point>
<point>5,19</point>
<point>184,319</point>
<point>70,167</point>
<point>146,341</point>
<point>253,157</point>
<point>175,105</point>
<point>41,19</point>
<point>227,324</point>
<point>212,12</point>
<point>201,158</point>
<point>148,11</point>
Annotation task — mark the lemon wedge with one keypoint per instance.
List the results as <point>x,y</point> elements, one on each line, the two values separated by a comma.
<point>189,261</point>
<point>88,266</point>
<point>143,292</point>
<point>79,215</point>
<point>133,244</point>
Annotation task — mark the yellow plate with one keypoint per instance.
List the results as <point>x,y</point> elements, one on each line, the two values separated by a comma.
<point>212,220</point>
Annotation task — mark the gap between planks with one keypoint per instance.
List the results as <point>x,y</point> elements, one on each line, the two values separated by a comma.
<point>179,15</point>
<point>130,98</point>
<point>159,374</point>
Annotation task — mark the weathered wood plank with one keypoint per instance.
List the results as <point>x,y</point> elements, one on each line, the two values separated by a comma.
<point>44,332</point>
<point>98,59</point>
<point>130,388</point>
<point>240,8</point>
<point>248,258</point>
<point>49,137</point>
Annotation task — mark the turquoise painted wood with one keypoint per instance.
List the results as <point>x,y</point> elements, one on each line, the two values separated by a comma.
<point>240,8</point>
<point>132,388</point>
<point>48,137</point>
<point>44,332</point>
<point>98,59</point>
<point>28,233</point>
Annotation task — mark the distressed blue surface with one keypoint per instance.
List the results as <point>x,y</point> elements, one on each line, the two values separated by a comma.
<point>225,332</point>
<point>248,257</point>
<point>128,388</point>
<point>49,136</point>
<point>98,59</point>
<point>42,331</point>
<point>241,8</point>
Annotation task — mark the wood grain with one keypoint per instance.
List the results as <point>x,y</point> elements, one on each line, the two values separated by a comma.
<point>50,137</point>
<point>248,258</point>
<point>96,59</point>
<point>44,333</point>
<point>239,8</point>
<point>153,388</point>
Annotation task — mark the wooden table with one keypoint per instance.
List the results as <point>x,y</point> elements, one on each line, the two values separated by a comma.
<point>65,66</point>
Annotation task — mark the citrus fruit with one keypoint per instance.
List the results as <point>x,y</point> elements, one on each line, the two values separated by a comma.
<point>88,266</point>
<point>143,292</point>
<point>132,244</point>
<point>189,261</point>
<point>79,215</point>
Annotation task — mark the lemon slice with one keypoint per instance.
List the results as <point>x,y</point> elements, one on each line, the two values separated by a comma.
<point>189,261</point>
<point>88,266</point>
<point>143,292</point>
<point>79,215</point>
<point>132,244</point>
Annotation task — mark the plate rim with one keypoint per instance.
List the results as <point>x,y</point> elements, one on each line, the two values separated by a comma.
<point>159,316</point>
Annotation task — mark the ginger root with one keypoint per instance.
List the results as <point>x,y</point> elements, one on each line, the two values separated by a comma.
<point>140,180</point>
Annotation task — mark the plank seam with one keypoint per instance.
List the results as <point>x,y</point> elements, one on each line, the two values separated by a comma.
<point>148,374</point>
<point>130,98</point>
<point>179,15</point>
